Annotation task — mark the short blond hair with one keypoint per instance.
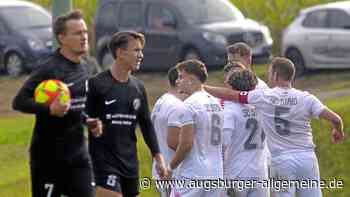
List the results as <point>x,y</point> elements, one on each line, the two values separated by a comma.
<point>194,67</point>
<point>283,67</point>
<point>239,50</point>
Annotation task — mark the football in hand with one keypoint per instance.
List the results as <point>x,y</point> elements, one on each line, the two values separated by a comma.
<point>48,90</point>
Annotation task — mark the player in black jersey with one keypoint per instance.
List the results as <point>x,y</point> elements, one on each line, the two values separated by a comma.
<point>59,159</point>
<point>119,100</point>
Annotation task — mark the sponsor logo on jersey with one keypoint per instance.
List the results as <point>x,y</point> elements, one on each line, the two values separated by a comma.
<point>136,103</point>
<point>110,101</point>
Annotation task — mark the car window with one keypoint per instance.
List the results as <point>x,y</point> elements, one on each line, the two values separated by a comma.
<point>339,19</point>
<point>2,28</point>
<point>159,17</point>
<point>130,15</point>
<point>316,19</point>
<point>106,14</point>
<point>208,11</point>
<point>22,17</point>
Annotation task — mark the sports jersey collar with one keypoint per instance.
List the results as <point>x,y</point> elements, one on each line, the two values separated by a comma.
<point>59,54</point>
<point>116,80</point>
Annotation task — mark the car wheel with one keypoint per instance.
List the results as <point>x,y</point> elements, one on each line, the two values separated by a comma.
<point>14,64</point>
<point>106,60</point>
<point>295,56</point>
<point>191,54</point>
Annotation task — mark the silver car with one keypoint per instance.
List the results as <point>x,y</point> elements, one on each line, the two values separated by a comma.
<point>319,37</point>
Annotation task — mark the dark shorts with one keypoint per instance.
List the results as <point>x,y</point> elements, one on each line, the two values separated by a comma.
<point>129,187</point>
<point>54,179</point>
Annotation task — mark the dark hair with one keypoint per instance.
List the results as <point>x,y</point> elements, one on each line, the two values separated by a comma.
<point>59,26</point>
<point>121,40</point>
<point>239,50</point>
<point>283,67</point>
<point>172,76</point>
<point>243,80</point>
<point>194,67</point>
<point>233,65</point>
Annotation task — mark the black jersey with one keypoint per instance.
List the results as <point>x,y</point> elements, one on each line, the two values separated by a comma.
<point>56,138</point>
<point>120,106</point>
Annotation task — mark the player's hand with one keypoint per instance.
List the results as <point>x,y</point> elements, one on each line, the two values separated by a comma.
<point>57,108</point>
<point>94,126</point>
<point>161,166</point>
<point>337,136</point>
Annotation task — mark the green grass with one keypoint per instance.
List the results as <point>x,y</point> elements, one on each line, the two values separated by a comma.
<point>14,138</point>
<point>334,159</point>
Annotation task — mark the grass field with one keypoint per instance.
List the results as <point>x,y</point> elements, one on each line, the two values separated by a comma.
<point>16,130</point>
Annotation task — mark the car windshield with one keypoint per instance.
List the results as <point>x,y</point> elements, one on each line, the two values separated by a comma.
<point>208,11</point>
<point>25,17</point>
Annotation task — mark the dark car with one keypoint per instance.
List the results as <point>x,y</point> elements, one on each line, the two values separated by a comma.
<point>25,36</point>
<point>176,30</point>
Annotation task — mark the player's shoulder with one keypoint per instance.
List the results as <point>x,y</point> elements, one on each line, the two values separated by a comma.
<point>300,93</point>
<point>101,77</point>
<point>261,84</point>
<point>101,81</point>
<point>136,81</point>
<point>306,96</point>
<point>197,97</point>
<point>49,64</point>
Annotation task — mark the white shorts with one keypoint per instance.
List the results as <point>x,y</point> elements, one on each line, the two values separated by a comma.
<point>296,166</point>
<point>195,192</point>
<point>190,191</point>
<point>164,192</point>
<point>251,192</point>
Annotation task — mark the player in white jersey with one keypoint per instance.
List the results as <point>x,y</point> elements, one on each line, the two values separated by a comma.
<point>287,113</point>
<point>198,155</point>
<point>245,154</point>
<point>241,52</point>
<point>166,118</point>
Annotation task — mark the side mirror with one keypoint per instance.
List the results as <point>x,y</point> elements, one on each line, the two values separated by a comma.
<point>169,22</point>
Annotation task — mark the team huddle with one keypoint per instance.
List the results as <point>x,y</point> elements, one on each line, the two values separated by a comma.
<point>245,130</point>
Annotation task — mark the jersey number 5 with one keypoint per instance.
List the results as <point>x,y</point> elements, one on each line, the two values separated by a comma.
<point>281,125</point>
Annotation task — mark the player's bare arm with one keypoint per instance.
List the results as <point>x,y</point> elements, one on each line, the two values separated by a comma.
<point>223,93</point>
<point>184,147</point>
<point>95,126</point>
<point>337,122</point>
<point>160,165</point>
<point>173,137</point>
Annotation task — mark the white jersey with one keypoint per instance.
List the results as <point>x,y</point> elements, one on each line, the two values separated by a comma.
<point>245,154</point>
<point>204,161</point>
<point>287,114</point>
<point>261,84</point>
<point>167,112</point>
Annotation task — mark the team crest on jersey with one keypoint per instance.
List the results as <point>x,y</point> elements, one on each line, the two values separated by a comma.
<point>136,103</point>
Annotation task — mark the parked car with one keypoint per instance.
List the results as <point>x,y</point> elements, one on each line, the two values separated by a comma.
<point>319,38</point>
<point>25,36</point>
<point>179,30</point>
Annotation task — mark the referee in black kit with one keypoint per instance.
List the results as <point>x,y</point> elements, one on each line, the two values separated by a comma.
<point>59,159</point>
<point>119,100</point>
